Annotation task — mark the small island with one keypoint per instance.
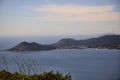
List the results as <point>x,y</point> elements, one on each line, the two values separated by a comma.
<point>103,42</point>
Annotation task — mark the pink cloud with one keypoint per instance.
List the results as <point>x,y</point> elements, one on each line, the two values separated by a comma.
<point>77,13</point>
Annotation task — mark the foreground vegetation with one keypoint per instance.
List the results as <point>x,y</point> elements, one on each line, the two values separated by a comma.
<point>5,75</point>
<point>28,71</point>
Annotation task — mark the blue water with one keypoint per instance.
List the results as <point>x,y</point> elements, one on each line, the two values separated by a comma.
<point>82,64</point>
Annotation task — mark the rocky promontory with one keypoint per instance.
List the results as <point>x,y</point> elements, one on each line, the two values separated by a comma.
<point>25,46</point>
<point>103,42</point>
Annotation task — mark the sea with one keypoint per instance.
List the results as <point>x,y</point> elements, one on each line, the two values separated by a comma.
<point>82,64</point>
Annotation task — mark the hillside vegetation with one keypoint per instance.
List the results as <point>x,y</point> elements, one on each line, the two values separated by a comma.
<point>5,75</point>
<point>27,70</point>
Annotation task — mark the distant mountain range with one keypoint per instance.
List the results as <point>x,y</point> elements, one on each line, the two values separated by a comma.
<point>103,42</point>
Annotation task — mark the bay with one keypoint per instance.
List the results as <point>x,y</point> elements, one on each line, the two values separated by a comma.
<point>82,64</point>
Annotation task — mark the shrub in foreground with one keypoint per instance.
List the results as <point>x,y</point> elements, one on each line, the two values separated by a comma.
<point>25,69</point>
<point>5,75</point>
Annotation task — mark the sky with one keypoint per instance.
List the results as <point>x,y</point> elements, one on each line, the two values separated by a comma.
<point>58,17</point>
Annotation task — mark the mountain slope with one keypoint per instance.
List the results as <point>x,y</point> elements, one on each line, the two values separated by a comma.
<point>107,41</point>
<point>25,46</point>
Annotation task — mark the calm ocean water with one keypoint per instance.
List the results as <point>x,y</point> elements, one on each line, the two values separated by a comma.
<point>82,64</point>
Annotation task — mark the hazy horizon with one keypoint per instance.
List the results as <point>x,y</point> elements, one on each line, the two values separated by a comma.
<point>8,42</point>
<point>29,18</point>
